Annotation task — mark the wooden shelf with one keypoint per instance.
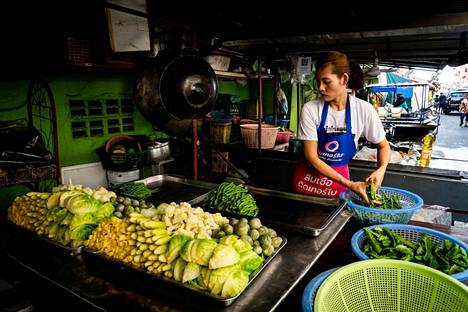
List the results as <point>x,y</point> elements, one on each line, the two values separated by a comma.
<point>234,75</point>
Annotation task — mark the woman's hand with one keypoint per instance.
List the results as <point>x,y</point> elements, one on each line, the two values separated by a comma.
<point>377,177</point>
<point>359,188</point>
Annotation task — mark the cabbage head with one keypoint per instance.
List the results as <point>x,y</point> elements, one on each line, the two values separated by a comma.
<point>242,246</point>
<point>82,219</point>
<point>191,271</point>
<point>250,261</point>
<point>235,283</point>
<point>82,204</point>
<point>175,245</point>
<point>186,251</point>
<point>66,196</point>
<point>81,232</point>
<point>179,268</point>
<point>229,239</point>
<point>223,255</point>
<point>202,250</point>
<point>104,212</point>
<point>218,277</point>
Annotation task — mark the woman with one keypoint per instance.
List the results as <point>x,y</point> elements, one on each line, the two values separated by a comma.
<point>330,128</point>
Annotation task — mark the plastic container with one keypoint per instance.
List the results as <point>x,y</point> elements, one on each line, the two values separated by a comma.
<point>249,134</point>
<point>412,233</point>
<point>390,285</point>
<point>118,177</point>
<point>308,296</point>
<point>283,137</point>
<point>367,216</point>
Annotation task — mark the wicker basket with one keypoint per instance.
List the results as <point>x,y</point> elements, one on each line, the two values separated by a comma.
<point>249,134</point>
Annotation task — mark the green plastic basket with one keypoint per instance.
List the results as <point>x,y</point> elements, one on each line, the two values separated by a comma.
<point>390,285</point>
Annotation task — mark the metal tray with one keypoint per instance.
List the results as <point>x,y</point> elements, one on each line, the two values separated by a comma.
<point>295,212</point>
<point>21,236</point>
<point>175,189</point>
<point>156,284</point>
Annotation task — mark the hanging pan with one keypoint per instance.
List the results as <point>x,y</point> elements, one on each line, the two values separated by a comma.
<point>188,87</point>
<point>170,92</point>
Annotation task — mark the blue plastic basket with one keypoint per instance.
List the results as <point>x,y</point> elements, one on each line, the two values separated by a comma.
<point>368,216</point>
<point>412,233</point>
<point>308,296</point>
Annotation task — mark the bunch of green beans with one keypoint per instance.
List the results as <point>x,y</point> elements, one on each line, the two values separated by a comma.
<point>232,198</point>
<point>135,190</point>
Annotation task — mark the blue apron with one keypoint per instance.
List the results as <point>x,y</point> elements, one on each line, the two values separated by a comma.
<point>334,149</point>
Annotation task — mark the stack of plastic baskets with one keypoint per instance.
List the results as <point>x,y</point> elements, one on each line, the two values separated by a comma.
<point>308,296</point>
<point>412,233</point>
<point>390,285</point>
<point>366,215</point>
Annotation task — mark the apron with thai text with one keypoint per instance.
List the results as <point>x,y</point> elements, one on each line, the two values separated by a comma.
<point>334,149</point>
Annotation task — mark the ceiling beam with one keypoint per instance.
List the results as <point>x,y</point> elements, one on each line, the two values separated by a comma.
<point>438,24</point>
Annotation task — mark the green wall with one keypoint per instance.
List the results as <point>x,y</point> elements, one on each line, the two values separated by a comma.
<point>232,87</point>
<point>74,151</point>
<point>13,94</point>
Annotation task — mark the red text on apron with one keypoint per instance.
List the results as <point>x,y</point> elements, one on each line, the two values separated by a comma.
<point>309,181</point>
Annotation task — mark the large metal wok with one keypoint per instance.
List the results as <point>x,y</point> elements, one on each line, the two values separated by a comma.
<point>170,92</point>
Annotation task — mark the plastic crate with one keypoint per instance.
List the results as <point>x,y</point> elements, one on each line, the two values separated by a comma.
<point>390,285</point>
<point>368,216</point>
<point>412,233</point>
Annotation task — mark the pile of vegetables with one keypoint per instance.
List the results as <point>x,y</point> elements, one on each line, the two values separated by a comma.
<point>382,243</point>
<point>264,240</point>
<point>112,239</point>
<point>68,215</point>
<point>223,268</point>
<point>381,201</point>
<point>133,189</point>
<point>203,250</point>
<point>232,198</point>
<point>124,206</point>
<point>28,211</point>
<point>184,219</point>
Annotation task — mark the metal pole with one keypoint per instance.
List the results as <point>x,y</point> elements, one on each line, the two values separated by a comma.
<point>260,104</point>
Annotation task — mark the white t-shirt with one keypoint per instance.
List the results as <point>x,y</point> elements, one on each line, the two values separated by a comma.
<point>364,121</point>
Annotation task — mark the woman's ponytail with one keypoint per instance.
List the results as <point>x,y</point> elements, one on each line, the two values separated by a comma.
<point>356,76</point>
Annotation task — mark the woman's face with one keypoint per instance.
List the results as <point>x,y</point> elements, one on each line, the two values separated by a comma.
<point>330,85</point>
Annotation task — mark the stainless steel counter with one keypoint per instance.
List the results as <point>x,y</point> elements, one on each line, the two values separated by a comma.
<point>265,293</point>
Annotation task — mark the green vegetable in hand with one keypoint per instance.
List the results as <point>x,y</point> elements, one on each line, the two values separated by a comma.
<point>381,201</point>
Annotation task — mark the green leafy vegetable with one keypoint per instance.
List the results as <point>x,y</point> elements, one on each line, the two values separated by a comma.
<point>131,189</point>
<point>223,255</point>
<point>382,243</point>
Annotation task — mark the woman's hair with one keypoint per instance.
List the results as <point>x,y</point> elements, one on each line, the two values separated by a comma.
<point>341,65</point>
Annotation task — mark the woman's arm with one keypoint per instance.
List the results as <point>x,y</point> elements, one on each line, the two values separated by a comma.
<point>383,157</point>
<point>311,156</point>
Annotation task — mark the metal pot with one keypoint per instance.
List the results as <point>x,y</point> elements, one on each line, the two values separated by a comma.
<point>158,152</point>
